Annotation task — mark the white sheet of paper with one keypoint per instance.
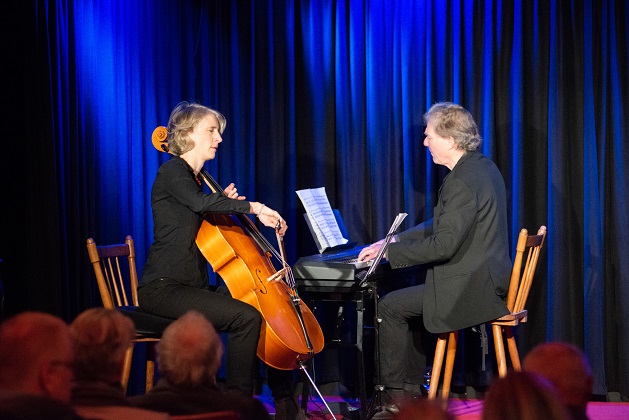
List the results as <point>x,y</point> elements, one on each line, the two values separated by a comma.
<point>321,216</point>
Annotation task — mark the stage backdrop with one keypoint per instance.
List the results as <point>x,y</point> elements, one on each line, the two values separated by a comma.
<point>324,94</point>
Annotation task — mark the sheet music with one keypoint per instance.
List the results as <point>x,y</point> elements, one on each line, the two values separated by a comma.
<point>321,217</point>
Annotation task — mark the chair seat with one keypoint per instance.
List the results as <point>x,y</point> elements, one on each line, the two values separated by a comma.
<point>511,319</point>
<point>146,325</point>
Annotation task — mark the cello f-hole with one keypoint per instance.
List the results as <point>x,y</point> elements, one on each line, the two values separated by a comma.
<point>261,282</point>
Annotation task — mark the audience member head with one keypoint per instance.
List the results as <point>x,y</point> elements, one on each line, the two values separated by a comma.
<point>101,338</point>
<point>523,396</point>
<point>36,356</point>
<point>189,353</point>
<point>566,366</point>
<point>422,409</point>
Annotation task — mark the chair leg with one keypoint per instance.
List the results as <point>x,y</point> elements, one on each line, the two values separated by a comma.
<point>126,368</point>
<point>513,348</point>
<point>150,365</point>
<point>501,359</point>
<point>450,356</point>
<point>440,351</point>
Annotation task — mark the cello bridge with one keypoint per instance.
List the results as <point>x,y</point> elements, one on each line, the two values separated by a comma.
<point>278,275</point>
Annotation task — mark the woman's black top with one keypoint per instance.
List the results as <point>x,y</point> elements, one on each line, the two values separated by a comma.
<point>179,203</point>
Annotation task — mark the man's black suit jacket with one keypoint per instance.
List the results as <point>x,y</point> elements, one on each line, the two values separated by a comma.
<point>466,246</point>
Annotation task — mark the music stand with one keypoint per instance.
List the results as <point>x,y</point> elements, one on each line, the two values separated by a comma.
<point>375,404</point>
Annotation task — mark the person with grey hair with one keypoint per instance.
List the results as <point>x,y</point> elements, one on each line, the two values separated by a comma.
<point>188,357</point>
<point>465,246</point>
<point>101,337</point>
<point>36,359</point>
<point>566,366</point>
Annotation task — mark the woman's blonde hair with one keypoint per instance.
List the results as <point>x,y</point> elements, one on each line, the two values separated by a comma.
<point>183,119</point>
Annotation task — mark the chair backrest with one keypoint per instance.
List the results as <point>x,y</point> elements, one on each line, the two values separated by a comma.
<point>116,274</point>
<point>521,278</point>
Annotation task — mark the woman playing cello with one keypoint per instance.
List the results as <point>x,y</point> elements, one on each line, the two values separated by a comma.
<point>175,279</point>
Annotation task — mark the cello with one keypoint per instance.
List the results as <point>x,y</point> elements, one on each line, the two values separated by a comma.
<point>237,251</point>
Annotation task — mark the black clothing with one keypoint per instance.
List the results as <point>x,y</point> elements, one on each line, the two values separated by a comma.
<point>178,203</point>
<point>169,298</point>
<point>395,309</point>
<point>94,393</point>
<point>466,249</point>
<point>35,407</point>
<point>466,246</point>
<point>175,278</point>
<point>103,400</point>
<point>175,400</point>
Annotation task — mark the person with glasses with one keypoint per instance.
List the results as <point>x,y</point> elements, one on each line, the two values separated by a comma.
<point>37,357</point>
<point>101,337</point>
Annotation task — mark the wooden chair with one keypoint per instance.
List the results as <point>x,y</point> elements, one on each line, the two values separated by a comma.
<point>117,278</point>
<point>519,287</point>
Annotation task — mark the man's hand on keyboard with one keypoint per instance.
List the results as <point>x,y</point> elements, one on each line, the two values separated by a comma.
<point>370,252</point>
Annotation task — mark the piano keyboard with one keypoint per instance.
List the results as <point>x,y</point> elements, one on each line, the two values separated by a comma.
<point>358,265</point>
<point>338,269</point>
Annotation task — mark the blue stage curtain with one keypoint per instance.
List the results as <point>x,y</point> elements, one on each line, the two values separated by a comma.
<point>331,94</point>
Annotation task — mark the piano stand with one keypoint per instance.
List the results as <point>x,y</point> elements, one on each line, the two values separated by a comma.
<point>375,403</point>
<point>360,297</point>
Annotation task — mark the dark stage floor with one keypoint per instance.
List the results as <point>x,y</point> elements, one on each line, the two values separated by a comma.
<point>465,409</point>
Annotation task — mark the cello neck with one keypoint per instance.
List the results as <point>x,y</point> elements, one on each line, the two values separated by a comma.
<point>245,221</point>
<point>280,242</point>
<point>211,182</point>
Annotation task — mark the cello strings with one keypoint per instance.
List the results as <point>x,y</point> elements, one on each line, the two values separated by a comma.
<point>289,278</point>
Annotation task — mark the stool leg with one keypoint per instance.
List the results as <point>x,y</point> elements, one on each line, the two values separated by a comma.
<point>440,350</point>
<point>150,365</point>
<point>501,359</point>
<point>450,356</point>
<point>513,348</point>
<point>126,368</point>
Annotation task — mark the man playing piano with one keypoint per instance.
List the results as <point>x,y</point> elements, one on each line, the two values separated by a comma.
<point>465,246</point>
